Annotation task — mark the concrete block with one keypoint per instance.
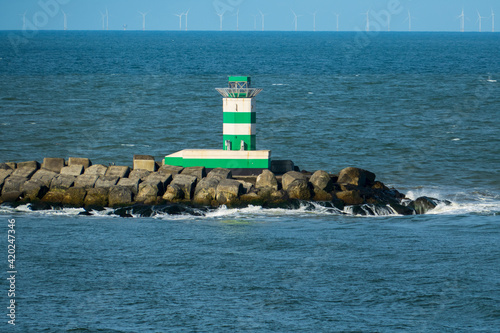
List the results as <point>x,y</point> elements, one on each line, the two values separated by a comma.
<point>5,166</point>
<point>44,176</point>
<point>106,181</point>
<point>119,196</point>
<point>144,162</point>
<point>97,170</point>
<point>85,162</point>
<point>74,197</point>
<point>33,190</point>
<point>53,164</point>
<point>186,183</point>
<point>132,184</point>
<point>62,182</point>
<point>86,181</point>
<point>72,170</point>
<point>282,166</point>
<point>171,169</point>
<point>30,164</point>
<point>11,165</point>
<point>13,184</point>
<point>198,172</point>
<point>228,190</point>
<point>3,175</point>
<point>96,197</point>
<point>26,171</point>
<point>139,174</point>
<point>118,171</point>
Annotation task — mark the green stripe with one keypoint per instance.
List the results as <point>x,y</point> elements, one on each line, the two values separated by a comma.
<point>219,163</point>
<point>250,141</point>
<point>239,117</point>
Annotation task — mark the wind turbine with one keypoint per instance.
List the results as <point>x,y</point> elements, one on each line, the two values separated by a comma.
<point>180,20</point>
<point>24,21</point>
<point>367,20</point>
<point>221,16</point>
<point>262,14</point>
<point>492,21</point>
<point>103,16</point>
<point>295,20</point>
<point>65,20</point>
<point>314,20</point>
<point>462,21</point>
<point>409,20</point>
<point>143,20</point>
<point>186,14</point>
<point>479,19</point>
<point>107,19</point>
<point>254,22</point>
<point>238,20</point>
<point>337,20</point>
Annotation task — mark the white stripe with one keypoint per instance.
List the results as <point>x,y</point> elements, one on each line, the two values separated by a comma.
<point>239,129</point>
<point>222,154</point>
<point>238,105</point>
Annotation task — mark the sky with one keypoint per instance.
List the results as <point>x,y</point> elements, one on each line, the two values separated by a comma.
<point>426,15</point>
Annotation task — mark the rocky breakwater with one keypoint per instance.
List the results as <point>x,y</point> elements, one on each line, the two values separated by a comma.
<point>78,183</point>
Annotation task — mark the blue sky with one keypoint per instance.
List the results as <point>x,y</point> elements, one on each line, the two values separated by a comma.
<point>427,15</point>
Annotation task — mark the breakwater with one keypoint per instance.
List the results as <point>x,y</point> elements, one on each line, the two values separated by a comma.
<point>77,183</point>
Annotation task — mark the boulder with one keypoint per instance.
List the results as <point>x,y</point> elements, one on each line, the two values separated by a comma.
<point>85,162</point>
<point>25,172</point>
<point>86,181</point>
<point>148,193</point>
<point>171,169</point>
<point>74,197</point>
<point>228,190</point>
<point>198,172</point>
<point>44,176</point>
<point>267,180</point>
<point>96,198</point>
<point>72,170</point>
<point>12,165</point>
<point>53,164</point>
<point>139,174</point>
<point>379,186</point>
<point>144,162</point>
<point>246,186</point>
<point>13,184</point>
<point>62,182</point>
<point>186,183</point>
<point>29,164</point>
<point>402,210</point>
<point>321,181</point>
<point>352,197</point>
<point>206,191</point>
<point>96,170</point>
<point>299,189</point>
<point>292,176</point>
<point>131,184</point>
<point>356,177</point>
<point>220,174</point>
<point>106,181</point>
<point>423,204</point>
<point>118,171</point>
<point>320,195</point>
<point>34,190</point>
<point>174,193</point>
<point>119,196</point>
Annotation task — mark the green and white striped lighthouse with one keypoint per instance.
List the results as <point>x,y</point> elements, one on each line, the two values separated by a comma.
<point>239,115</point>
<point>239,140</point>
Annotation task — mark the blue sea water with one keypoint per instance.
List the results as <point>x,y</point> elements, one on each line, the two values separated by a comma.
<point>418,109</point>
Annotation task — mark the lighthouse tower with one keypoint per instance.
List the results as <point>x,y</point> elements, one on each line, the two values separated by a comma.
<point>239,116</point>
<point>238,151</point>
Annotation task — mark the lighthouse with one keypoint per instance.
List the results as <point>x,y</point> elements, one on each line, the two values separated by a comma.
<point>239,139</point>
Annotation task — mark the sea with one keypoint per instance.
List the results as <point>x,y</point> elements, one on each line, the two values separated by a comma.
<point>420,110</point>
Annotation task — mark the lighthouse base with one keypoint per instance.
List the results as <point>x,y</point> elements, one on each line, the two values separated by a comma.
<point>241,162</point>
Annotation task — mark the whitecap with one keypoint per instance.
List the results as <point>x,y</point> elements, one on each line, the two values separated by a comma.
<point>456,139</point>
